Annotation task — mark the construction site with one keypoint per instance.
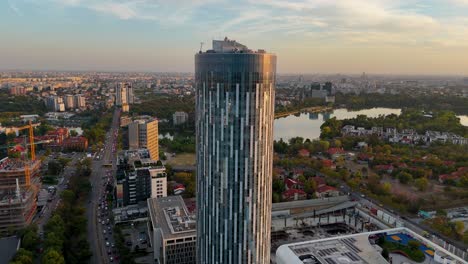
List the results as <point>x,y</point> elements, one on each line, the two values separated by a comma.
<point>19,186</point>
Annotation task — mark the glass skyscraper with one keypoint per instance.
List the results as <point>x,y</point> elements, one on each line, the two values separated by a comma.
<point>235,95</point>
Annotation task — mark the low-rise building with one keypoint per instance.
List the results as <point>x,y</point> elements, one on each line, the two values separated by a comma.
<point>172,231</point>
<point>363,248</point>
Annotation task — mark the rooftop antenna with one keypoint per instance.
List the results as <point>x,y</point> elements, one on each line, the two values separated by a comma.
<point>201,46</point>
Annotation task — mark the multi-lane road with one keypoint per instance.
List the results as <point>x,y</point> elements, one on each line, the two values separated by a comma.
<point>99,227</point>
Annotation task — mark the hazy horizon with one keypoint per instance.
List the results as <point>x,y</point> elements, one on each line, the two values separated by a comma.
<point>412,37</point>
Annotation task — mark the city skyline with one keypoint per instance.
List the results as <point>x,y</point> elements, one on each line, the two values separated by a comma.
<point>385,37</point>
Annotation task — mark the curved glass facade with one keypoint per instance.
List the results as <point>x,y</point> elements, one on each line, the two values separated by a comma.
<point>235,94</point>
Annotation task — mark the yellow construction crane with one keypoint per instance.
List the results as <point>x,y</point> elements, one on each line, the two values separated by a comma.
<point>27,172</point>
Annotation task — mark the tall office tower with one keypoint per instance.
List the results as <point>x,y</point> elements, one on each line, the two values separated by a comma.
<point>121,94</point>
<point>235,94</point>
<point>130,97</point>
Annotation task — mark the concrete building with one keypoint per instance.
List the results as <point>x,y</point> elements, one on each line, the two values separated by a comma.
<point>124,94</point>
<point>121,94</point>
<point>80,101</point>
<point>139,177</point>
<point>179,118</point>
<point>361,248</point>
<point>55,103</point>
<point>235,94</point>
<point>172,231</point>
<point>69,102</point>
<point>143,133</point>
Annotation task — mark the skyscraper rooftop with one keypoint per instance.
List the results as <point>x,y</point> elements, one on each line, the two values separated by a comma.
<point>230,46</point>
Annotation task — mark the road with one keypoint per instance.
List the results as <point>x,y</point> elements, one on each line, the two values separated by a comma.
<point>52,205</point>
<point>95,210</point>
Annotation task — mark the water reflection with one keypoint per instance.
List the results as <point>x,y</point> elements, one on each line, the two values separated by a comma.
<point>307,125</point>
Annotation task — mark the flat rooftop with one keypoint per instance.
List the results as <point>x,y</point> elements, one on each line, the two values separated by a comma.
<point>230,46</point>
<point>171,215</point>
<point>356,249</point>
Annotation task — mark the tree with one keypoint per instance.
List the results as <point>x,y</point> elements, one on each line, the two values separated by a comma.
<point>54,167</point>
<point>23,256</point>
<point>386,188</point>
<point>310,186</point>
<point>459,227</point>
<point>414,245</point>
<point>404,177</point>
<point>278,186</point>
<point>276,198</point>
<point>52,257</point>
<point>73,133</point>
<point>324,145</point>
<point>421,184</point>
<point>30,239</point>
<point>54,241</point>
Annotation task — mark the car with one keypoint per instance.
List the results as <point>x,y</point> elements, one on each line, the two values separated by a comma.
<point>104,231</point>
<point>107,243</point>
<point>111,259</point>
<point>113,245</point>
<point>362,195</point>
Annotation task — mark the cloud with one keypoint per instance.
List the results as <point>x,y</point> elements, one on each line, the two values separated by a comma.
<point>372,22</point>
<point>14,8</point>
<point>121,10</point>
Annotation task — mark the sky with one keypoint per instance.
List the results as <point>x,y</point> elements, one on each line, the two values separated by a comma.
<point>308,36</point>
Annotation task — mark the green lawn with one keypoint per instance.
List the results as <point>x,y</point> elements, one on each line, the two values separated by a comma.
<point>183,159</point>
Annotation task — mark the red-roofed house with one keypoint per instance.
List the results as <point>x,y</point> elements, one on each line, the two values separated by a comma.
<point>364,158</point>
<point>293,184</point>
<point>326,191</point>
<point>454,176</point>
<point>384,168</point>
<point>335,152</point>
<point>294,195</point>
<point>449,163</point>
<point>303,153</point>
<point>297,172</point>
<point>280,172</point>
<point>329,164</point>
<point>319,181</point>
<point>17,149</point>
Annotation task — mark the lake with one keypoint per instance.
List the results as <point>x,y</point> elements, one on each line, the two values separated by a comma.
<point>307,125</point>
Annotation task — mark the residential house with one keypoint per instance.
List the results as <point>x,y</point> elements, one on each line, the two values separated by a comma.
<point>294,195</point>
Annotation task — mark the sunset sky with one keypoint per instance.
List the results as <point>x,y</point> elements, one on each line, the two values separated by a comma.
<point>309,36</point>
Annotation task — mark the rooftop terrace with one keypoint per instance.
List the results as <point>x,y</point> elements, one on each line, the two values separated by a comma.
<point>171,215</point>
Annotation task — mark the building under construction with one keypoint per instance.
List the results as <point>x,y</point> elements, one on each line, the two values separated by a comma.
<point>19,184</point>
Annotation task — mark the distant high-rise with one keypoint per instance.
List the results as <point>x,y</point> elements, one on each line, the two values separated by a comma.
<point>235,94</point>
<point>124,94</point>
<point>143,133</point>
<point>80,101</point>
<point>69,102</point>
